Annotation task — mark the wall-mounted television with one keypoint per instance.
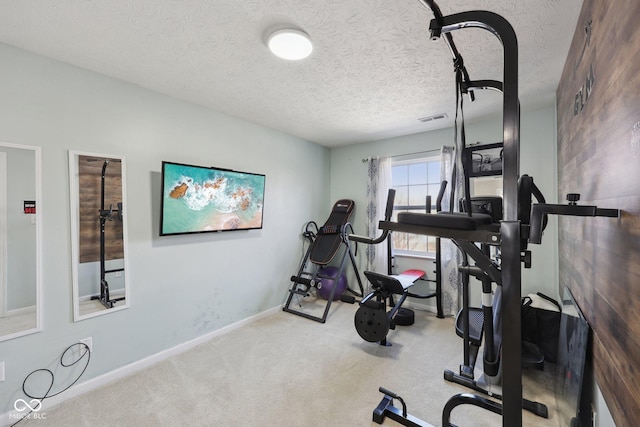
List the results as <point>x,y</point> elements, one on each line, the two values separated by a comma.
<point>198,199</point>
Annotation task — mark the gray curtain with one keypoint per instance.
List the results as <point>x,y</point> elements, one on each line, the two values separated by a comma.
<point>450,255</point>
<point>378,184</point>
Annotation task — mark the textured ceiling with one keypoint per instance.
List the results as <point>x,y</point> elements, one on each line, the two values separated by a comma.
<point>372,74</point>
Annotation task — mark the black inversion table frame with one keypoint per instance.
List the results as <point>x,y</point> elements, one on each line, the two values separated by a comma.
<point>324,244</point>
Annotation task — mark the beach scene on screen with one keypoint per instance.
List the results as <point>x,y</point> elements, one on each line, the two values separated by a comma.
<point>198,199</point>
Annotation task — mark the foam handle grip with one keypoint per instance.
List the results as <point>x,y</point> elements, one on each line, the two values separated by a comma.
<point>390,199</point>
<point>535,230</point>
<point>302,280</point>
<point>443,187</point>
<point>537,408</point>
<point>388,393</point>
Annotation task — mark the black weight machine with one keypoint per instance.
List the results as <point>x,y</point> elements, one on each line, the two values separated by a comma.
<point>482,325</point>
<point>372,320</point>
<point>105,216</point>
<point>478,324</point>
<point>469,229</point>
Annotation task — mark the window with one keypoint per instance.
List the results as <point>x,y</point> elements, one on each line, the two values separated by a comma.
<point>413,181</point>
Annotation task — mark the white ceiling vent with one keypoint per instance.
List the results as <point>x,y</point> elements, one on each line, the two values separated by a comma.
<point>432,118</point>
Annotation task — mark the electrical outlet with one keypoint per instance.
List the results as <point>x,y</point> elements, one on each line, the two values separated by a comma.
<point>88,342</point>
<point>1,371</point>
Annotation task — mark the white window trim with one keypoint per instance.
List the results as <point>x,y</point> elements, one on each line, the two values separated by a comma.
<point>408,160</point>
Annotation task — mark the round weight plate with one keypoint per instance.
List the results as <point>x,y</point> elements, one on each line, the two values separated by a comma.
<point>404,317</point>
<point>372,324</point>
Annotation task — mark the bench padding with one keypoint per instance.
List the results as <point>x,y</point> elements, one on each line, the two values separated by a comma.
<point>457,221</point>
<point>329,236</point>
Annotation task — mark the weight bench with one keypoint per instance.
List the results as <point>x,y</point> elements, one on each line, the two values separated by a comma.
<point>372,320</point>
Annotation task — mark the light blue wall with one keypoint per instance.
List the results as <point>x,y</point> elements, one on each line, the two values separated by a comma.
<point>181,286</point>
<point>538,159</point>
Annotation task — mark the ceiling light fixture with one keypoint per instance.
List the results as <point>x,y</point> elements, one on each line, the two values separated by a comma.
<point>290,44</point>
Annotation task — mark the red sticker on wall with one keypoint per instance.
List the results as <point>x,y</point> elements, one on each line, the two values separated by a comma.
<point>29,206</point>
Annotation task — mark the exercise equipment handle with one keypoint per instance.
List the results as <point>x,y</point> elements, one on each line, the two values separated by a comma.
<point>540,210</point>
<point>395,396</point>
<point>388,393</point>
<point>443,187</point>
<point>391,195</point>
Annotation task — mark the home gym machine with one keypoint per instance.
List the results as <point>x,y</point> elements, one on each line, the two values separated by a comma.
<point>482,325</point>
<point>106,215</point>
<point>324,244</point>
<point>468,229</point>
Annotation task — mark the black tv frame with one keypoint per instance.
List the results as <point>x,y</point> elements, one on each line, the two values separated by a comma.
<point>571,368</point>
<point>211,184</point>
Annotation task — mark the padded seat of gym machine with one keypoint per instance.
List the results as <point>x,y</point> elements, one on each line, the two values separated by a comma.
<point>476,325</point>
<point>456,221</point>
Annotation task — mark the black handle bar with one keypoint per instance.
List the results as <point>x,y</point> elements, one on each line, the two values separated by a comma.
<point>387,216</point>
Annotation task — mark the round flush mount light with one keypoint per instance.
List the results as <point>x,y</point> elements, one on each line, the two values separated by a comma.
<point>290,44</point>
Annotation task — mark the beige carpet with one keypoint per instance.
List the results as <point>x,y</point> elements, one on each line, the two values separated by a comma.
<point>286,370</point>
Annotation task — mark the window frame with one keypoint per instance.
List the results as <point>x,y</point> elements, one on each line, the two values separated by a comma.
<point>426,160</point>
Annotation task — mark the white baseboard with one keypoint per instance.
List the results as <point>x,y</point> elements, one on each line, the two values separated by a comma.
<point>112,293</point>
<point>11,417</point>
<point>416,305</point>
<point>22,310</point>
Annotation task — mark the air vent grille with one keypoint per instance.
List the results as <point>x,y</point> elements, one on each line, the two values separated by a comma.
<point>432,118</point>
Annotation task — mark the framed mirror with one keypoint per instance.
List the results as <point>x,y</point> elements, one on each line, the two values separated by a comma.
<point>98,234</point>
<point>20,240</point>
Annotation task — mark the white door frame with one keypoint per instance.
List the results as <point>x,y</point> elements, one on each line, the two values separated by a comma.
<point>3,234</point>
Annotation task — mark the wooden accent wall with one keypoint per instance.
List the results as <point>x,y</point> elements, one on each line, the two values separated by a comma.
<point>90,173</point>
<point>598,101</point>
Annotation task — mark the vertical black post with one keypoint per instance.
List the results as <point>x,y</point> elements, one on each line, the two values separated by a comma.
<point>510,226</point>
<point>390,256</point>
<point>103,219</point>
<point>438,262</point>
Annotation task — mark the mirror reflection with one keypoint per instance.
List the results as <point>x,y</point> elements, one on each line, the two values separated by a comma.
<point>20,243</point>
<point>98,233</point>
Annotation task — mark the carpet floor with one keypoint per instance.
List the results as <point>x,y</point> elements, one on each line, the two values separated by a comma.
<point>285,370</point>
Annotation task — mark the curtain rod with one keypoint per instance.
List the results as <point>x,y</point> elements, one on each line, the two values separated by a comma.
<point>406,154</point>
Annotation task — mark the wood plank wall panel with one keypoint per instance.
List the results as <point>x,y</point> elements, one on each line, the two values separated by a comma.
<point>90,173</point>
<point>599,156</point>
